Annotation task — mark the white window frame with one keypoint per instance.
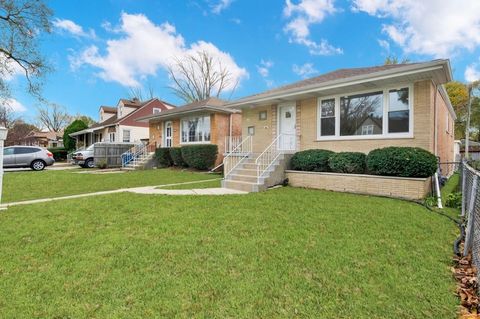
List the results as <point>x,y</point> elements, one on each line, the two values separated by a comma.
<point>110,134</point>
<point>386,102</point>
<point>192,117</point>
<point>129,136</point>
<point>368,129</point>
<point>156,110</point>
<point>165,133</point>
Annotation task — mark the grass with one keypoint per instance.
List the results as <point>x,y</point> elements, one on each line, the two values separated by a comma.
<point>279,254</point>
<point>206,184</point>
<point>27,185</point>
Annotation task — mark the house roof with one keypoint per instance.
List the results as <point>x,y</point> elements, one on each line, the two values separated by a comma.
<point>113,120</point>
<point>354,78</point>
<point>133,102</point>
<point>208,105</point>
<point>108,109</point>
<point>48,135</point>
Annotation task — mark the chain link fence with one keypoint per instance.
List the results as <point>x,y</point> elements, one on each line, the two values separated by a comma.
<point>470,213</point>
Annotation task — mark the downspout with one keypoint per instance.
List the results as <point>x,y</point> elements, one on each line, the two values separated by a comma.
<point>230,130</point>
<point>435,140</point>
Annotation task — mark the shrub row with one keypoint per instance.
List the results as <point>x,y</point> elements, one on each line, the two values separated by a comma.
<point>200,157</point>
<point>389,161</point>
<point>59,153</point>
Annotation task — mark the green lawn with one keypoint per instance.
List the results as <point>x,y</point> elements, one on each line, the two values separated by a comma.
<point>279,254</point>
<point>33,185</point>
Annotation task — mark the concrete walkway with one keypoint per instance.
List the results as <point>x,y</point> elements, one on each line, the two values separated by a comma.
<point>147,190</point>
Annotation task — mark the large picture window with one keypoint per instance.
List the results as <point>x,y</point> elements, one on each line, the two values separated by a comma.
<point>196,129</point>
<point>380,113</point>
<point>360,111</point>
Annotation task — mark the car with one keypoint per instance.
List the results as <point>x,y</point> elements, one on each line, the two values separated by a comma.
<point>35,157</point>
<point>84,158</point>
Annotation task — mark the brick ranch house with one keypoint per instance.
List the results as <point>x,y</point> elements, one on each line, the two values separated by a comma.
<point>358,109</point>
<point>202,122</point>
<point>118,124</point>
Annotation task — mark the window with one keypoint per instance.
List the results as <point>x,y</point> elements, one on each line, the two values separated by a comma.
<point>327,117</point>
<point>26,150</point>
<point>251,130</point>
<point>262,116</point>
<point>367,129</point>
<point>8,151</point>
<point>398,111</point>
<point>196,129</point>
<point>359,110</point>
<point>156,110</point>
<point>111,137</point>
<point>377,114</point>
<point>126,136</point>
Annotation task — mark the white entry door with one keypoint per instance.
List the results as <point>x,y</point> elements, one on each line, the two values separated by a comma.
<point>286,127</point>
<point>168,134</point>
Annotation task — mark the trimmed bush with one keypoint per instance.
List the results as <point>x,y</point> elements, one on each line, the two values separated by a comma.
<point>201,156</point>
<point>59,153</point>
<point>348,162</point>
<point>311,160</point>
<point>162,155</point>
<point>176,156</point>
<point>401,161</point>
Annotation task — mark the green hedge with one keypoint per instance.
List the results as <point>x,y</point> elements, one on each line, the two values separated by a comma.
<point>59,153</point>
<point>402,161</point>
<point>201,156</point>
<point>162,155</point>
<point>311,160</point>
<point>348,162</point>
<point>176,156</point>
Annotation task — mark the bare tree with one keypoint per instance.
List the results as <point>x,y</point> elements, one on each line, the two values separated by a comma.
<point>53,117</point>
<point>199,76</point>
<point>140,94</point>
<point>21,24</point>
<point>8,118</point>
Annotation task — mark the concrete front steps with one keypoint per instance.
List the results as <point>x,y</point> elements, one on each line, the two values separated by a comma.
<point>244,177</point>
<point>142,162</point>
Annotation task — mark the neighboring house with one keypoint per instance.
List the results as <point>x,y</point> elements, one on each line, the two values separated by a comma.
<point>202,122</point>
<point>118,124</point>
<point>48,139</point>
<point>358,109</point>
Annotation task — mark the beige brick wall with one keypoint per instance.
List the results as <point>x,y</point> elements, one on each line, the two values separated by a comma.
<point>423,124</point>
<point>399,187</point>
<point>445,135</point>
<point>264,130</point>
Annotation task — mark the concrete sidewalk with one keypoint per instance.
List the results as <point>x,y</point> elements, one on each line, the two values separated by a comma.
<point>147,190</point>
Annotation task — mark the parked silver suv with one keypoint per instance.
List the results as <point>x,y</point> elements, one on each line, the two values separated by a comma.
<point>34,157</point>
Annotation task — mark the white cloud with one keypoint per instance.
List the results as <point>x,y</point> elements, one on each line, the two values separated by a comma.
<point>264,67</point>
<point>304,70</point>
<point>302,16</point>
<point>472,73</point>
<point>431,27</point>
<point>142,48</point>
<point>384,44</point>
<point>71,27</point>
<point>10,68</point>
<point>221,5</point>
<point>14,105</point>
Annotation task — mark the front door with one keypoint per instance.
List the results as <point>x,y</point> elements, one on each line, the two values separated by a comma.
<point>286,127</point>
<point>168,134</point>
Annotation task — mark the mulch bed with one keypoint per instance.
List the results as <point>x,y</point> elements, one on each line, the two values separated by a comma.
<point>467,284</point>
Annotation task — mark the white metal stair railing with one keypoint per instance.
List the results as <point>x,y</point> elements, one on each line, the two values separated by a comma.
<point>231,142</point>
<point>135,155</point>
<point>281,144</point>
<point>234,158</point>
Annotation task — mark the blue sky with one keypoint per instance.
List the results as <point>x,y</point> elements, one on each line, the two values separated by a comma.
<point>100,49</point>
